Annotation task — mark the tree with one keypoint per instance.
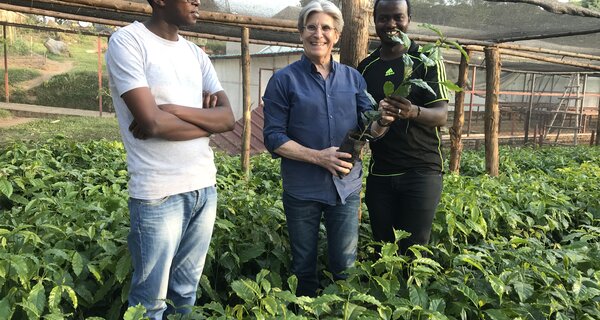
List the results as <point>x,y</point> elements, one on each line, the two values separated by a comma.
<point>354,43</point>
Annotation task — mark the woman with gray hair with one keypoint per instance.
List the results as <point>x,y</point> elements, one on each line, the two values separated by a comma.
<point>309,106</point>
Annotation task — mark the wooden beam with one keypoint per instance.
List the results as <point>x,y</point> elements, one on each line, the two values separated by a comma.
<point>145,9</point>
<point>557,7</point>
<point>537,57</point>
<point>549,51</point>
<point>456,145</point>
<point>246,101</point>
<point>109,22</point>
<point>492,109</point>
<point>547,35</point>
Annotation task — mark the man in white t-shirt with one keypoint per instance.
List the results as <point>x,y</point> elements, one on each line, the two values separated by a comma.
<point>157,79</point>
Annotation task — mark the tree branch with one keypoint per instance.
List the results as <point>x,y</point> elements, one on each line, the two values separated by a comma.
<point>557,7</point>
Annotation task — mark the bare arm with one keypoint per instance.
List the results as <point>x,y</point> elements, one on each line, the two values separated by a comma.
<point>329,158</point>
<point>435,115</point>
<point>151,122</point>
<point>215,119</point>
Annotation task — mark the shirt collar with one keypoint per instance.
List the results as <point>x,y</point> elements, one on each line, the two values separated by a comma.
<point>310,67</point>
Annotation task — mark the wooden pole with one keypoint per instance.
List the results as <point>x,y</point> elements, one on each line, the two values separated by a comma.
<point>246,101</point>
<point>598,125</point>
<point>492,110</point>
<point>473,81</point>
<point>6,89</point>
<point>456,145</point>
<point>529,110</point>
<point>354,44</point>
<point>99,42</point>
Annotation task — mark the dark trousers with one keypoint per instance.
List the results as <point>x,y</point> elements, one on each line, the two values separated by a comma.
<point>406,202</point>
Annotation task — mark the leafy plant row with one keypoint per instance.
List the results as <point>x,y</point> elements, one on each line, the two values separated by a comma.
<point>520,246</point>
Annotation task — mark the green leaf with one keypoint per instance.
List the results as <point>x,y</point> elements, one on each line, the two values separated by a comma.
<point>403,90</point>
<point>123,267</point>
<point>497,314</point>
<point>366,298</point>
<point>408,66</point>
<point>37,298</point>
<point>20,266</point>
<point>426,60</point>
<point>459,48</point>
<point>248,290</point>
<point>30,309</point>
<point>497,285</point>
<point>250,252</point>
<point>6,187</point>
<point>451,86</point>
<point>469,293</point>
<point>388,88</point>
<point>422,84</point>
<point>418,296</point>
<point>270,305</point>
<point>438,305</point>
<point>135,313</point>
<point>55,297</point>
<point>72,295</point>
<point>6,309</point>
<point>327,299</point>
<point>77,263</point>
<point>95,272</point>
<point>427,48</point>
<point>524,290</point>
<point>292,283</point>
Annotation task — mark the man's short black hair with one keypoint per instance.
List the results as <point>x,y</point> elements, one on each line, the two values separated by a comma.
<point>378,1</point>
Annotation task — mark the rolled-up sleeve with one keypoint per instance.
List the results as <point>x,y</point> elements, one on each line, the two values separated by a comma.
<point>277,113</point>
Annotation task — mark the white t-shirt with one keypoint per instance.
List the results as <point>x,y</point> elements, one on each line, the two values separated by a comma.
<point>176,72</point>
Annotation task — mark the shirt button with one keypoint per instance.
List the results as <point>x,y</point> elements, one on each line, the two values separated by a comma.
<point>330,117</point>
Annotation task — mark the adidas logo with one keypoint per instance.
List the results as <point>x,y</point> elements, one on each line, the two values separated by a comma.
<point>389,72</point>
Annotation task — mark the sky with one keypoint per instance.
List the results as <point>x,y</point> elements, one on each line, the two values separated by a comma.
<point>260,7</point>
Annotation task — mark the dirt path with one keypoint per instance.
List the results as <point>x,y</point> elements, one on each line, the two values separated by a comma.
<point>13,121</point>
<point>47,71</point>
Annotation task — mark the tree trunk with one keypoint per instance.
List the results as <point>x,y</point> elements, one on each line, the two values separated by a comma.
<point>355,36</point>
<point>492,109</point>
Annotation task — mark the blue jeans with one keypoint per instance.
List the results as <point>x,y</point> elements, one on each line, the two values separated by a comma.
<point>303,221</point>
<point>168,242</point>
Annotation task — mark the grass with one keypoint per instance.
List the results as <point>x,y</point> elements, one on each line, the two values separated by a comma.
<point>4,114</point>
<point>19,75</point>
<point>74,128</point>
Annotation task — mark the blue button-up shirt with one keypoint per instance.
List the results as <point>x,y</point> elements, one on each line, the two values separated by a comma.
<point>317,113</point>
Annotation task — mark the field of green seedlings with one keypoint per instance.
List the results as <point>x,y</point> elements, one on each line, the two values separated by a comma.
<point>524,245</point>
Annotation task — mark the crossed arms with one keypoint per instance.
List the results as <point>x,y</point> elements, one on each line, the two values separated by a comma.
<point>175,122</point>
